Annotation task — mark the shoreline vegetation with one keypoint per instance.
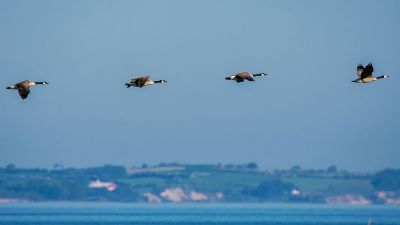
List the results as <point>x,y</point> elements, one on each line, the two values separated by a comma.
<point>188,183</point>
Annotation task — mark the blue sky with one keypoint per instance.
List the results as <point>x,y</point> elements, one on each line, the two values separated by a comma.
<point>306,112</point>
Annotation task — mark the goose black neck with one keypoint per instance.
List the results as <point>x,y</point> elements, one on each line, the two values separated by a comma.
<point>259,74</point>
<point>380,77</point>
<point>159,81</point>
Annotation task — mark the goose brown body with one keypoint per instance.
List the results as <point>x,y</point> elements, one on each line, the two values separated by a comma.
<point>365,74</point>
<point>23,87</point>
<point>142,81</point>
<point>242,76</point>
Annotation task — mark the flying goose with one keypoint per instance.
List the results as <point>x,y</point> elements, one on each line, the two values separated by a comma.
<point>23,87</point>
<point>240,77</point>
<point>143,81</point>
<point>365,74</point>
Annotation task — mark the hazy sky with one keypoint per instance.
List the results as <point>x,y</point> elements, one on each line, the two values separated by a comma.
<point>306,112</point>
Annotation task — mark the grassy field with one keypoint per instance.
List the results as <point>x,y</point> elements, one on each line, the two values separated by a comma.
<point>223,180</point>
<point>311,184</point>
<point>142,181</point>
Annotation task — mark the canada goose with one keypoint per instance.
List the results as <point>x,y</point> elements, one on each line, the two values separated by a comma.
<point>143,81</point>
<point>240,77</point>
<point>23,87</point>
<point>365,74</point>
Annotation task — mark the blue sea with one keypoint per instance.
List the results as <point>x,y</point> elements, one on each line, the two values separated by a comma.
<point>194,214</point>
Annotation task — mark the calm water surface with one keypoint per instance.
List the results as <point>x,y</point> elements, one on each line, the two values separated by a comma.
<point>194,214</point>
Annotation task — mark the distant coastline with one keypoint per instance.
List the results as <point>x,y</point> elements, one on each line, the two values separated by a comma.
<point>185,183</point>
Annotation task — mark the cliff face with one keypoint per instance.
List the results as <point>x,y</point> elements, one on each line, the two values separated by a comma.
<point>179,195</point>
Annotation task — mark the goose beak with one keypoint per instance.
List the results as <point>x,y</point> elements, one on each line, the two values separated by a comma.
<point>228,78</point>
<point>8,88</point>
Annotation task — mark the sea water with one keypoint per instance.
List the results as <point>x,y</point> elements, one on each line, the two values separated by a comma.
<point>195,214</point>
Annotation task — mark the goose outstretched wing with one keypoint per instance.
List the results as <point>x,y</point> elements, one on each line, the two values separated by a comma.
<point>360,69</point>
<point>23,92</point>
<point>140,81</point>
<point>244,76</point>
<point>367,72</point>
